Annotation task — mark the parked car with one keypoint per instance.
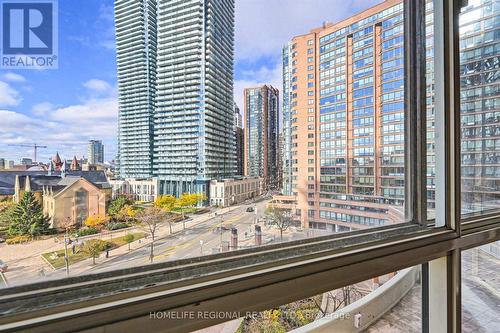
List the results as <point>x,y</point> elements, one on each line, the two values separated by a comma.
<point>250,209</point>
<point>223,228</point>
<point>2,240</point>
<point>3,267</point>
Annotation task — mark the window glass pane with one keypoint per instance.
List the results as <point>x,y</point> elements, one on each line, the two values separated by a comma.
<point>480,105</point>
<point>481,289</point>
<point>335,163</point>
<point>430,90</point>
<point>388,303</point>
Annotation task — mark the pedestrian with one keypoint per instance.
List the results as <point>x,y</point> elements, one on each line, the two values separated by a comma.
<point>107,253</point>
<point>73,248</point>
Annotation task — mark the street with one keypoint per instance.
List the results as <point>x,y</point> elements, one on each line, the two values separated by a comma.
<point>187,242</point>
<point>203,235</point>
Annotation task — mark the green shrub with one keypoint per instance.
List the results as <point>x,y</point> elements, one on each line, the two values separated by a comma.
<point>87,232</point>
<point>175,218</point>
<point>202,211</point>
<point>117,226</point>
<point>18,240</point>
<point>51,231</point>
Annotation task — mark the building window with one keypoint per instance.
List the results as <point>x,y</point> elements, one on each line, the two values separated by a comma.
<point>81,206</point>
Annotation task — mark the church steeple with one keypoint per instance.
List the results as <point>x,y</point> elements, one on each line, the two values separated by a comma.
<point>74,164</point>
<point>27,184</point>
<point>57,161</point>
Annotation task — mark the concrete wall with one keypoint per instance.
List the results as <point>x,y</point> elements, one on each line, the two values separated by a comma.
<point>371,307</point>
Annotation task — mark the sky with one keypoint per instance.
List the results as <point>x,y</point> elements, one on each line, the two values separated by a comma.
<point>66,107</point>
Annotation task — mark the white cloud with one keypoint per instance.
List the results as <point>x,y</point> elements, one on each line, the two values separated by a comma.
<point>264,26</point>
<point>109,44</point>
<point>97,85</point>
<point>13,77</point>
<point>41,109</point>
<point>251,78</point>
<point>8,95</point>
<point>107,13</point>
<point>64,129</point>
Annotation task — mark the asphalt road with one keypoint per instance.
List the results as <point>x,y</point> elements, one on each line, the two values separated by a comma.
<point>187,243</point>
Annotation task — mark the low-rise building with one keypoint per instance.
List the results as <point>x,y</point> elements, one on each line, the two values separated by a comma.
<point>138,189</point>
<point>71,201</point>
<point>228,192</point>
<point>67,197</point>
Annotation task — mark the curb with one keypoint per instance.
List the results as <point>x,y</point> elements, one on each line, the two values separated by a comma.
<point>47,262</point>
<point>147,244</point>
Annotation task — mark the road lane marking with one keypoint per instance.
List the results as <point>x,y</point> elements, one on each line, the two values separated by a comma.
<point>171,249</point>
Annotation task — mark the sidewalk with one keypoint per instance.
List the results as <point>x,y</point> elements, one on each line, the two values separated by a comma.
<point>25,260</point>
<point>162,232</point>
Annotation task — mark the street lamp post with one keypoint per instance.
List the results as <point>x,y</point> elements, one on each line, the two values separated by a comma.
<point>66,240</point>
<point>66,258</point>
<point>221,233</point>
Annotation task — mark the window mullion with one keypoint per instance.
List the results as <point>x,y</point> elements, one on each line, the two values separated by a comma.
<point>415,116</point>
<point>447,113</point>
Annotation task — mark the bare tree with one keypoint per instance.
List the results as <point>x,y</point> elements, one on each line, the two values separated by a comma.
<point>68,225</point>
<point>150,219</point>
<point>342,297</point>
<point>282,218</point>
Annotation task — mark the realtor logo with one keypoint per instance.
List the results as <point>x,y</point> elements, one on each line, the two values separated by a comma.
<point>29,34</point>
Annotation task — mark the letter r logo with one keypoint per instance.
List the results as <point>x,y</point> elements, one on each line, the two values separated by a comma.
<point>27,27</point>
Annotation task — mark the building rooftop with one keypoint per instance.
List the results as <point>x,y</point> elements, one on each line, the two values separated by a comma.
<point>38,179</point>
